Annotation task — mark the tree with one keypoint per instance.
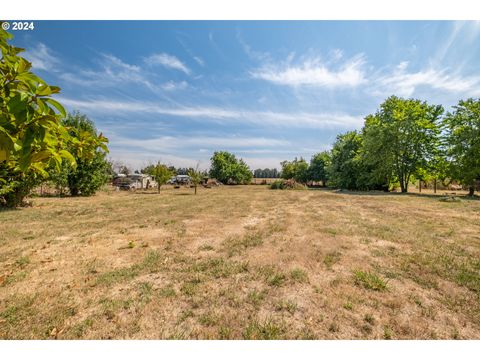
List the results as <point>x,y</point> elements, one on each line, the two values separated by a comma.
<point>317,171</point>
<point>401,137</point>
<point>462,134</point>
<point>91,172</point>
<point>160,173</point>
<point>344,169</point>
<point>124,169</point>
<point>296,170</point>
<point>32,137</point>
<point>265,173</point>
<point>196,176</point>
<point>226,168</point>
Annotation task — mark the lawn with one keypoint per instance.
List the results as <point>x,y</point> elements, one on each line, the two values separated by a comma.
<point>241,262</point>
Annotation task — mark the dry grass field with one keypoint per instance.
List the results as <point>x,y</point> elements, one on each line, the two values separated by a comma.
<point>241,262</point>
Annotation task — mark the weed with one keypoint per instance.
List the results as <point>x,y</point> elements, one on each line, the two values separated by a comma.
<point>266,330</point>
<point>236,246</point>
<point>207,319</point>
<point>167,291</point>
<point>388,333</point>
<point>277,279</point>
<point>348,306</point>
<point>22,261</point>
<point>287,305</point>
<point>369,319</point>
<point>256,297</point>
<point>224,333</point>
<point>299,275</point>
<point>331,258</point>
<point>369,280</point>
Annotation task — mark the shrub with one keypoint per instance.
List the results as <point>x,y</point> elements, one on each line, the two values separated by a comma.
<point>287,185</point>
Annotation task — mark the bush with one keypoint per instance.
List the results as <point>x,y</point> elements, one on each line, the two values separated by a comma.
<point>287,185</point>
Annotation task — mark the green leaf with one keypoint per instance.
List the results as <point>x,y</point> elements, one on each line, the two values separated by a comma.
<point>67,156</point>
<point>58,106</point>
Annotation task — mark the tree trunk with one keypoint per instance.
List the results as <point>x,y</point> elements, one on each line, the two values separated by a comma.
<point>435,185</point>
<point>195,189</point>
<point>471,190</point>
<point>158,188</point>
<point>419,185</point>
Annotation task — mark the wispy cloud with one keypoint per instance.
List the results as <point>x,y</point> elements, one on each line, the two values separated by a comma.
<point>172,85</point>
<point>404,83</point>
<point>315,72</point>
<point>42,58</point>
<point>251,53</point>
<point>199,60</point>
<point>168,61</point>
<point>220,114</point>
<point>111,71</point>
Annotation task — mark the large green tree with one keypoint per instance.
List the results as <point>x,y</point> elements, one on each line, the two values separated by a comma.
<point>32,136</point>
<point>225,167</point>
<point>401,138</point>
<point>90,172</point>
<point>296,170</point>
<point>462,133</point>
<point>318,168</point>
<point>344,170</point>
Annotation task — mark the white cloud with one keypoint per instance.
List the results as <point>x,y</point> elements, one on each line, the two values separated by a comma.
<point>113,71</point>
<point>168,143</point>
<point>270,118</point>
<point>199,60</point>
<point>168,61</point>
<point>172,85</point>
<point>42,58</point>
<point>404,83</point>
<point>313,72</point>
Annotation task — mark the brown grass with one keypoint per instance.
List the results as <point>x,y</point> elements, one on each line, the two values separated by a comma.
<point>241,262</point>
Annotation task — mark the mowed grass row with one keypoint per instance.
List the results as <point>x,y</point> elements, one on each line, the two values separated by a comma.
<point>241,262</point>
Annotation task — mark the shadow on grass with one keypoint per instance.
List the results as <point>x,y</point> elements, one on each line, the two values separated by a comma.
<point>438,195</point>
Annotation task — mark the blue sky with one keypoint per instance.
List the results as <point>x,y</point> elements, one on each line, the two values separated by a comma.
<point>176,91</point>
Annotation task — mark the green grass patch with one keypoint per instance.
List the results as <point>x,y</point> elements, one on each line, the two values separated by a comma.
<point>369,280</point>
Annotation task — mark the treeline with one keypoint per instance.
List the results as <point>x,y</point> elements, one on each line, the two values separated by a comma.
<point>266,173</point>
<point>404,139</point>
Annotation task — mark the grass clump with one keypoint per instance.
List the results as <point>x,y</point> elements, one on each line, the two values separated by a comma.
<point>276,279</point>
<point>369,280</point>
<point>286,305</point>
<point>331,258</point>
<point>255,297</point>
<point>299,275</point>
<point>220,268</point>
<point>266,330</point>
<point>236,246</point>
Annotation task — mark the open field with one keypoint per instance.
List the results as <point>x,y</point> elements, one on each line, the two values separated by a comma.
<point>241,262</point>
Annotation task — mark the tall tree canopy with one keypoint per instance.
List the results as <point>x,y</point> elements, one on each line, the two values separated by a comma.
<point>401,138</point>
<point>226,168</point>
<point>296,169</point>
<point>344,169</point>
<point>462,128</point>
<point>318,169</point>
<point>32,136</point>
<point>90,172</point>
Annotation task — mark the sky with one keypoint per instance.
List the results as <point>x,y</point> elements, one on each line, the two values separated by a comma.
<point>268,91</point>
